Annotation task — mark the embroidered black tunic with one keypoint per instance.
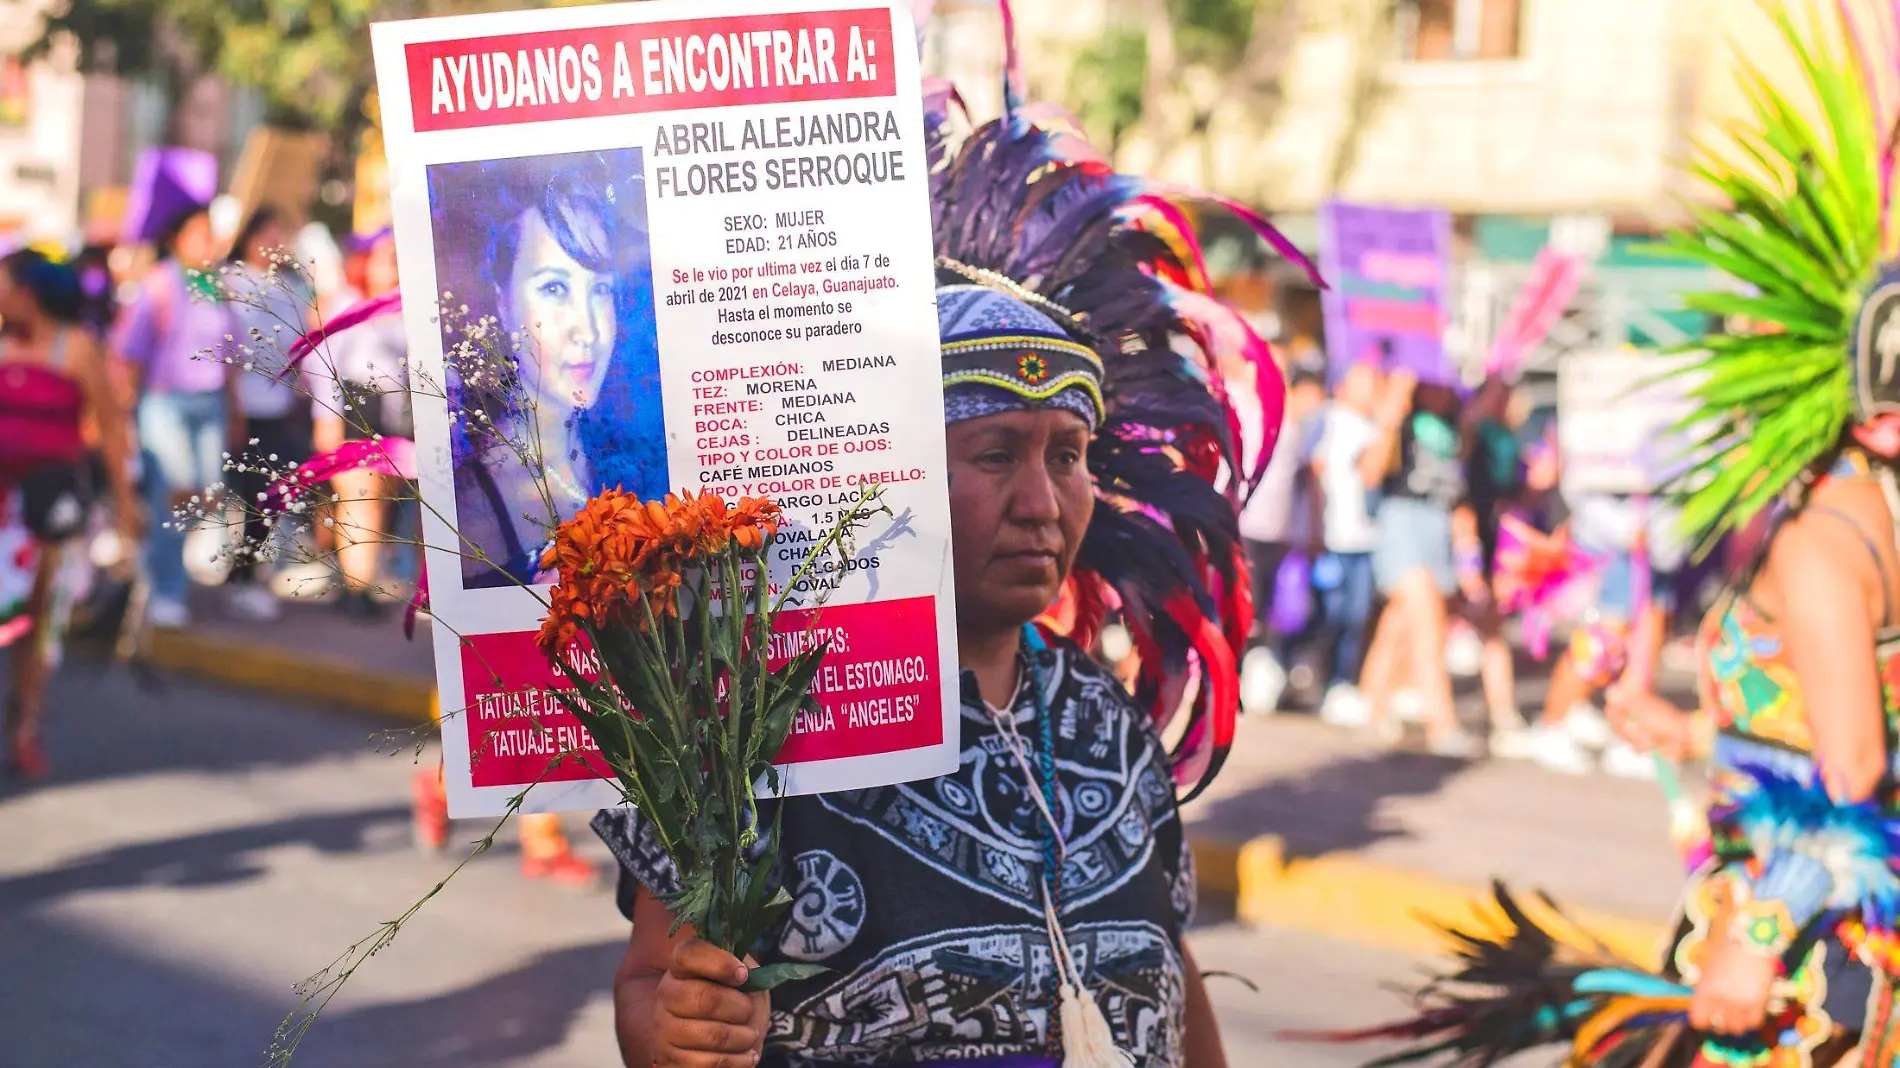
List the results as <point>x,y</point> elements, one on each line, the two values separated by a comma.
<point>924,899</point>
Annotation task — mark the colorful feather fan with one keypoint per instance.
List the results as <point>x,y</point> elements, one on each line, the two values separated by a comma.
<point>1025,198</point>
<point>1802,225</point>
<point>1522,984</point>
<point>1539,575</point>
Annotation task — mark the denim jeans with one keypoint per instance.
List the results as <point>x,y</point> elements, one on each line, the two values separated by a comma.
<point>1346,605</point>
<point>182,436</point>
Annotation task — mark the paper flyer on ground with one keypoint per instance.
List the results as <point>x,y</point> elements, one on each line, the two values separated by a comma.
<point>705,229</point>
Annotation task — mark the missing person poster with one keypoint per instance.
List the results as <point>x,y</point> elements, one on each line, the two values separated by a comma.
<point>699,235</point>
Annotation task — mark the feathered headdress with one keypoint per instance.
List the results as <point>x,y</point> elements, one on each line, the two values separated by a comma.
<point>1803,226</point>
<point>1024,205</point>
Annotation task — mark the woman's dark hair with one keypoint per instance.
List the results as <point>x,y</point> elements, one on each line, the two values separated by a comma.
<point>241,245</point>
<point>577,206</point>
<point>53,285</point>
<point>167,240</point>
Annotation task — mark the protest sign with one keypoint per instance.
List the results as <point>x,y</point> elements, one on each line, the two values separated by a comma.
<point>1390,275</point>
<point>1616,414</point>
<point>704,228</point>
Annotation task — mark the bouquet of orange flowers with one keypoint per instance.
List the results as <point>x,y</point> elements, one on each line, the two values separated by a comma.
<point>662,619</point>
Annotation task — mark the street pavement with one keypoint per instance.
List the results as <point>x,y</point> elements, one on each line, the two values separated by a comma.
<point>200,851</point>
<point>1591,841</point>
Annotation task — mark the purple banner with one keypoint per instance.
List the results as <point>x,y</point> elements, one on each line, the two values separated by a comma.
<point>1390,275</point>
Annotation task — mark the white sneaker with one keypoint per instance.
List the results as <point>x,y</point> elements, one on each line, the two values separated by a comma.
<point>1408,706</point>
<point>1343,706</point>
<point>1464,653</point>
<point>253,604</point>
<point>1510,743</point>
<point>1587,727</point>
<point>1262,681</point>
<point>1624,762</point>
<point>1557,750</point>
<point>208,551</point>
<point>167,615</point>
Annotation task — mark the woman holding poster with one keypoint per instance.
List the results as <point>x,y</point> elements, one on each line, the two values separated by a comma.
<point>950,913</point>
<point>550,251</point>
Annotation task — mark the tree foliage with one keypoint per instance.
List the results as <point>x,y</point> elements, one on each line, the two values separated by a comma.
<point>1164,67</point>
<point>310,59</point>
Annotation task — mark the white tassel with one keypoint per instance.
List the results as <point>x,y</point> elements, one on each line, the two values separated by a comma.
<point>1086,1041</point>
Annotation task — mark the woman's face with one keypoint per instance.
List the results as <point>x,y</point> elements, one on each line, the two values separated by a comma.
<point>16,301</point>
<point>567,314</point>
<point>1359,386</point>
<point>195,246</point>
<point>1020,501</point>
<point>379,267</point>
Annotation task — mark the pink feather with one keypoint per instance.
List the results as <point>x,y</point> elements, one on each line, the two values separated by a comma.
<point>1255,221</point>
<point>940,94</point>
<point>357,314</point>
<point>388,456</point>
<point>1067,141</point>
<point>1224,333</point>
<point>1183,229</point>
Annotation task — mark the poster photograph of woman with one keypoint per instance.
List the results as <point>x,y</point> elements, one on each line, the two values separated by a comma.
<point>553,366</point>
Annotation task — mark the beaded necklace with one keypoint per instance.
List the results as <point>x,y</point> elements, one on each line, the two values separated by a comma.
<point>1052,848</point>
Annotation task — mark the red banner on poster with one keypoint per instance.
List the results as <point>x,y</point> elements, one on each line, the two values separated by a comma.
<point>661,66</point>
<point>878,692</point>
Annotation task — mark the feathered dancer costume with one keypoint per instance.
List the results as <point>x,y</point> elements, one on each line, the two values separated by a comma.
<point>1120,309</point>
<point>1794,875</point>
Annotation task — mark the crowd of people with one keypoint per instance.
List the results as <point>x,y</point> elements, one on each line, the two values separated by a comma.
<point>134,376</point>
<point>138,383</point>
<point>1374,541</point>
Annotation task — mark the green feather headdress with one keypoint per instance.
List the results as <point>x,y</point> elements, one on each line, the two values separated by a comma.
<point>1803,229</point>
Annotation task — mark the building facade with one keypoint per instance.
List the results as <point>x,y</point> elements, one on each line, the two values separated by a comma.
<point>69,141</point>
<point>1528,120</point>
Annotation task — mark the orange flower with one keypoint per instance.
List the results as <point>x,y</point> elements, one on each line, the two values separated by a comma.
<point>618,550</point>
<point>754,520</point>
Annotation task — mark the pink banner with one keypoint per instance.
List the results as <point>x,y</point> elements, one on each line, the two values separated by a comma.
<point>1553,282</point>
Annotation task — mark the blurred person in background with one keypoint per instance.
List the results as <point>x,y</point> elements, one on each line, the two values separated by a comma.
<point>189,414</point>
<point>272,308</point>
<point>1494,471</point>
<point>1347,491</point>
<point>1278,523</point>
<point>55,386</point>
<point>1417,450</point>
<point>1618,529</point>
<point>367,394</point>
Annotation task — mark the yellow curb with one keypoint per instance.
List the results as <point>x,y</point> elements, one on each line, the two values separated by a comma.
<point>297,676</point>
<point>1344,897</point>
<point>1216,870</point>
